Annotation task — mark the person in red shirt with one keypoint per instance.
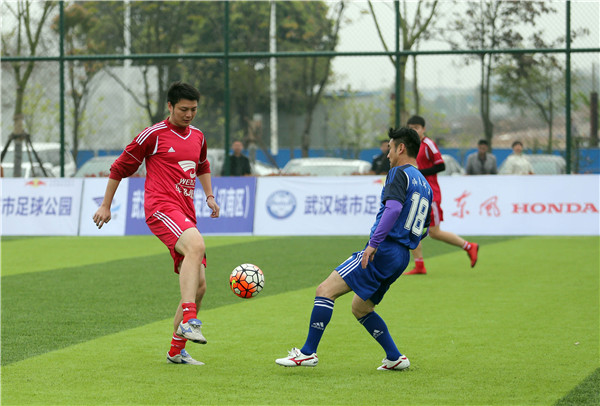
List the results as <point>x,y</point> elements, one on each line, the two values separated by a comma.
<point>430,163</point>
<point>175,154</point>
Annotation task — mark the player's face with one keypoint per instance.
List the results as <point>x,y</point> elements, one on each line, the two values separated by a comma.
<point>393,155</point>
<point>419,129</point>
<point>183,112</point>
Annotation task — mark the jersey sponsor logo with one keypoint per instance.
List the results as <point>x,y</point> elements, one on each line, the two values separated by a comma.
<point>171,149</point>
<point>188,165</point>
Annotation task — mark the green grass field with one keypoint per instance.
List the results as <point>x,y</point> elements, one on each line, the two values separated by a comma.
<point>87,321</point>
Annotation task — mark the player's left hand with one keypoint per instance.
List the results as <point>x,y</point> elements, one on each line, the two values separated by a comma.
<point>212,203</point>
<point>368,255</point>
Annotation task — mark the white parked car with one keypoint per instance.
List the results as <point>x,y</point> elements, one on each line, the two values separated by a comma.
<point>453,168</point>
<point>543,164</point>
<point>326,167</point>
<point>49,154</point>
<point>99,167</point>
<point>216,159</point>
<point>260,168</point>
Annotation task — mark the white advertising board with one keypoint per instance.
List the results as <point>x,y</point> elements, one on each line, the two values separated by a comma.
<point>521,205</point>
<point>93,194</point>
<point>472,205</point>
<point>44,206</point>
<point>317,205</point>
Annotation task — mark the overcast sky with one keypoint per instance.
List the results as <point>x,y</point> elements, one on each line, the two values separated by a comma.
<point>369,73</point>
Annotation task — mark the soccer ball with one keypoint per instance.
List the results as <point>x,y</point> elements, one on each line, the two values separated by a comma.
<point>246,281</point>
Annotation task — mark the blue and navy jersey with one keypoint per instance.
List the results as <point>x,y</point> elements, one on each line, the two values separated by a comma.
<point>406,185</point>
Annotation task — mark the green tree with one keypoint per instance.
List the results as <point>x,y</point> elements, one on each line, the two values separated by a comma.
<point>198,27</point>
<point>412,31</point>
<point>493,25</point>
<point>537,81</point>
<point>79,25</point>
<point>355,120</point>
<point>23,39</point>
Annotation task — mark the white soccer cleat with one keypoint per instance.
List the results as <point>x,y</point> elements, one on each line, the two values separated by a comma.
<point>398,365</point>
<point>183,358</point>
<point>191,331</point>
<point>295,358</point>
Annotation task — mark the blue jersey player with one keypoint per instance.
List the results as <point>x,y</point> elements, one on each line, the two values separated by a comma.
<point>401,222</point>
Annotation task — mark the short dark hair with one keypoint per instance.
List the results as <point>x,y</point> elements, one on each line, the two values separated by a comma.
<point>408,137</point>
<point>180,90</point>
<point>416,120</point>
<point>516,143</point>
<point>483,142</point>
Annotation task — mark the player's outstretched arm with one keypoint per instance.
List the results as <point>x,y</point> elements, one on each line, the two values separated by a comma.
<point>102,215</point>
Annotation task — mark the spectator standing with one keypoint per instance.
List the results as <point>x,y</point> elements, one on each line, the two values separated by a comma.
<point>482,162</point>
<point>381,163</point>
<point>239,164</point>
<point>516,163</point>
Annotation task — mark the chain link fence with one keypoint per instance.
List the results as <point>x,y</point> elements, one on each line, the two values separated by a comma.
<point>337,91</point>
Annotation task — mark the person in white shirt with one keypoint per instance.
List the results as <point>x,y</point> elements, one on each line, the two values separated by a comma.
<point>516,163</point>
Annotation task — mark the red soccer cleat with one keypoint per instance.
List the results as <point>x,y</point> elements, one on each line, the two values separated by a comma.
<point>416,271</point>
<point>472,252</point>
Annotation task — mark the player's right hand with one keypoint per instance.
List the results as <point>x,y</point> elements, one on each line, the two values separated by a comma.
<point>368,255</point>
<point>102,216</point>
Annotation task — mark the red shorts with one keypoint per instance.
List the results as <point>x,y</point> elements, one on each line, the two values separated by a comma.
<point>437,215</point>
<point>168,225</point>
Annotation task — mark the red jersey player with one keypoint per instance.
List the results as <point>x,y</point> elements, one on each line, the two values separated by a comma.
<point>175,154</point>
<point>430,162</point>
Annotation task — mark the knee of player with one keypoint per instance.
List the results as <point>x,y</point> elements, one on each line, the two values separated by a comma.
<point>360,312</point>
<point>323,290</point>
<point>198,250</point>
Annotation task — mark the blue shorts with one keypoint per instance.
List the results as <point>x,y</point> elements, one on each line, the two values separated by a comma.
<point>371,283</point>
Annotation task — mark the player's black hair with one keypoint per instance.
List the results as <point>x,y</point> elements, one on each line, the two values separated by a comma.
<point>483,142</point>
<point>408,137</point>
<point>180,90</point>
<point>416,120</point>
<point>516,143</point>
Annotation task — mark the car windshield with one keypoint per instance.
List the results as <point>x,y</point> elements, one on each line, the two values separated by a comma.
<point>546,166</point>
<point>47,155</point>
<point>322,169</point>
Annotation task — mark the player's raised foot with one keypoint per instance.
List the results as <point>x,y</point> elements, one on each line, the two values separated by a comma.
<point>192,331</point>
<point>398,365</point>
<point>472,252</point>
<point>416,271</point>
<point>295,358</point>
<point>183,358</point>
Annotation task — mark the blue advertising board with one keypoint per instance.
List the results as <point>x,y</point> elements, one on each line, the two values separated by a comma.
<point>234,195</point>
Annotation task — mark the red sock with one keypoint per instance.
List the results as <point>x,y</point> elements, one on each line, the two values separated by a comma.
<point>419,263</point>
<point>189,311</point>
<point>467,246</point>
<point>177,344</point>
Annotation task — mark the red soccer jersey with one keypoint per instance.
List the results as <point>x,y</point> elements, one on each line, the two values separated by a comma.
<point>430,155</point>
<point>174,157</point>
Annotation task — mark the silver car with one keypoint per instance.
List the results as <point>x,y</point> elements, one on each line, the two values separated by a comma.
<point>326,167</point>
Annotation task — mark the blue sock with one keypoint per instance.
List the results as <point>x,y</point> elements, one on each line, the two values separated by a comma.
<point>319,318</point>
<point>378,329</point>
